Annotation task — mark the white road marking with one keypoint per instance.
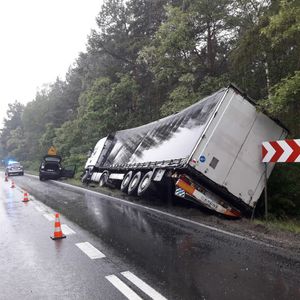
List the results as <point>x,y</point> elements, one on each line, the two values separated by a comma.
<point>145,208</point>
<point>90,250</point>
<point>49,217</point>
<point>67,230</point>
<point>123,288</point>
<point>38,208</point>
<point>147,289</point>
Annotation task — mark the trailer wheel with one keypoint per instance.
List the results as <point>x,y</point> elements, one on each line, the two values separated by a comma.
<point>125,182</point>
<point>145,184</point>
<point>103,179</point>
<point>134,183</point>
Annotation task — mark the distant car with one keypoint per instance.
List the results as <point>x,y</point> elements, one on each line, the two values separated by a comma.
<point>14,168</point>
<point>51,168</point>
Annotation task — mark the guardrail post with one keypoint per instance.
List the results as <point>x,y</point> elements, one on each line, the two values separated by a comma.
<point>266,191</point>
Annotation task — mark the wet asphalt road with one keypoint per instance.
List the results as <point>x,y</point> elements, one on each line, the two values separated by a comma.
<point>181,260</point>
<point>33,266</point>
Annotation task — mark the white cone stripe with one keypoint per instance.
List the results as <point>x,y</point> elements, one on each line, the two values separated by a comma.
<point>287,151</point>
<point>123,288</point>
<point>90,250</point>
<point>57,229</point>
<point>270,151</point>
<point>143,286</point>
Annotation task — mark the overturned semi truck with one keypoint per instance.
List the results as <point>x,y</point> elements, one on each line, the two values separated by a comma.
<point>208,153</point>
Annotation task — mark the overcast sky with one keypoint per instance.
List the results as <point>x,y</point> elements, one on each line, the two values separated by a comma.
<point>40,39</point>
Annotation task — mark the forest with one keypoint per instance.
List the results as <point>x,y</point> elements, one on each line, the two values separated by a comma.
<point>149,58</point>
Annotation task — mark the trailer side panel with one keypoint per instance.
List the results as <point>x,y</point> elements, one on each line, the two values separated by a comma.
<point>171,138</point>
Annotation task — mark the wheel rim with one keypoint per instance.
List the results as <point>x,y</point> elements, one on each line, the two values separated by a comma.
<point>145,182</point>
<point>126,181</point>
<point>134,183</point>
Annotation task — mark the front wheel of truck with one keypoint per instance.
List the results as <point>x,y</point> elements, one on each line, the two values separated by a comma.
<point>84,178</point>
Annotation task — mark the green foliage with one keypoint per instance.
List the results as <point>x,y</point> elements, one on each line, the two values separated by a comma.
<point>284,27</point>
<point>284,191</point>
<point>284,102</point>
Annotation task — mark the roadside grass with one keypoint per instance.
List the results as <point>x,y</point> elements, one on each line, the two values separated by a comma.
<point>32,172</point>
<point>73,181</point>
<point>283,225</point>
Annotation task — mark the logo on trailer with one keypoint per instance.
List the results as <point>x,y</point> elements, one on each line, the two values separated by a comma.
<point>202,158</point>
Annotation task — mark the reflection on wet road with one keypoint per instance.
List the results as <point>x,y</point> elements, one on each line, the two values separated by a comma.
<point>183,260</point>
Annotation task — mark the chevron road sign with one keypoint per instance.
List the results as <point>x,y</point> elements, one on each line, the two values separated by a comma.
<point>281,151</point>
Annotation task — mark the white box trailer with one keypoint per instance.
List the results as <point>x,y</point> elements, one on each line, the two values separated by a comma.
<point>210,153</point>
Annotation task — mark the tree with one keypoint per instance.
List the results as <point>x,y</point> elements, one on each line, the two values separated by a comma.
<point>13,128</point>
<point>283,31</point>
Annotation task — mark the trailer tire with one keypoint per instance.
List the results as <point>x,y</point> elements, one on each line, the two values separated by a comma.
<point>134,183</point>
<point>103,179</point>
<point>125,182</point>
<point>145,184</point>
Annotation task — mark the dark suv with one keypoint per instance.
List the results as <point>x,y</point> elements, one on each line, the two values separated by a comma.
<point>51,168</point>
<point>14,168</point>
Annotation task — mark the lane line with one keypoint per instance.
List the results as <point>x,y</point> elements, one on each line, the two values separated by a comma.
<point>67,230</point>
<point>90,250</point>
<point>38,208</point>
<point>147,289</point>
<point>49,217</point>
<point>123,288</point>
<point>145,208</point>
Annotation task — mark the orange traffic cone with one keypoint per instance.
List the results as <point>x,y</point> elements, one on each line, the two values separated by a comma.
<point>12,184</point>
<point>57,229</point>
<point>6,177</point>
<point>25,197</point>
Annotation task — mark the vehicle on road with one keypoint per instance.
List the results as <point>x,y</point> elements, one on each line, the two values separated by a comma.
<point>51,168</point>
<point>14,168</point>
<point>208,153</point>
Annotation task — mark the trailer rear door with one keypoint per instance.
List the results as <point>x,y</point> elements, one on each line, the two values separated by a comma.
<point>246,176</point>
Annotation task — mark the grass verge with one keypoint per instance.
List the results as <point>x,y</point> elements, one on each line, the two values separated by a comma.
<point>283,225</point>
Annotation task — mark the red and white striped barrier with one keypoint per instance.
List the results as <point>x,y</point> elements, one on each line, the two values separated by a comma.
<point>281,151</point>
